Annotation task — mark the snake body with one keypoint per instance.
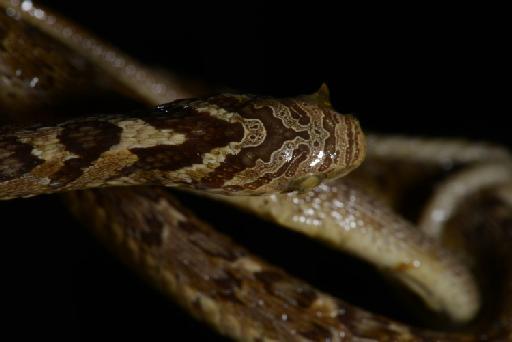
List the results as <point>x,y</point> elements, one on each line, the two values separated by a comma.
<point>226,143</point>
<point>239,144</point>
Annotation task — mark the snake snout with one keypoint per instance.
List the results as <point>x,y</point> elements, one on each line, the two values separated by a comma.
<point>346,146</point>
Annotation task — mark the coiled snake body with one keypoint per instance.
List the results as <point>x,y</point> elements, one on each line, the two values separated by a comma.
<point>279,151</point>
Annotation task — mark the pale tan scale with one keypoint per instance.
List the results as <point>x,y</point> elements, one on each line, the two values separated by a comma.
<point>138,134</point>
<point>105,167</point>
<point>455,189</point>
<point>46,145</point>
<point>248,264</point>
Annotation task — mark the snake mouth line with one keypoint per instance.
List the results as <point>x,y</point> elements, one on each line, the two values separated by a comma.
<point>306,183</point>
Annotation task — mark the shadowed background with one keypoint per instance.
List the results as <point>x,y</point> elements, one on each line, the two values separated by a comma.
<point>422,71</point>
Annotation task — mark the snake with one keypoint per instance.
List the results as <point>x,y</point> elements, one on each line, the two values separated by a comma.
<point>294,162</point>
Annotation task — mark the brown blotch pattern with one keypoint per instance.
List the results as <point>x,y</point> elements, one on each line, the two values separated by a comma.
<point>16,158</point>
<point>204,243</point>
<point>203,133</point>
<point>316,332</point>
<point>88,139</point>
<point>293,293</point>
<point>145,226</point>
<point>354,319</point>
<point>226,286</point>
<point>152,236</point>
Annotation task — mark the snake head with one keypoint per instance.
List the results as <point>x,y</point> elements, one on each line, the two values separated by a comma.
<point>287,144</point>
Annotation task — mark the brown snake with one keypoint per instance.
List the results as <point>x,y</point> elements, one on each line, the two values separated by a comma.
<point>250,145</point>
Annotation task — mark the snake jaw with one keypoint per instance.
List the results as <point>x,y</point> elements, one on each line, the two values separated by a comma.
<point>306,183</point>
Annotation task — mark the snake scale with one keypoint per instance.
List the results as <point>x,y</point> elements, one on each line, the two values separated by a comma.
<point>279,151</point>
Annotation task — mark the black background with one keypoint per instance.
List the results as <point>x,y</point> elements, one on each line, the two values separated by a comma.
<point>427,70</point>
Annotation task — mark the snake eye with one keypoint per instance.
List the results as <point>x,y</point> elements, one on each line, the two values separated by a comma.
<point>305,183</point>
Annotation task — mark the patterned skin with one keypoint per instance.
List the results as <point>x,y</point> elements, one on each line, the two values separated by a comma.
<point>232,144</point>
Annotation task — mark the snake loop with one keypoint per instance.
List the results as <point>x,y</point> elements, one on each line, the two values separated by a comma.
<point>278,150</point>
